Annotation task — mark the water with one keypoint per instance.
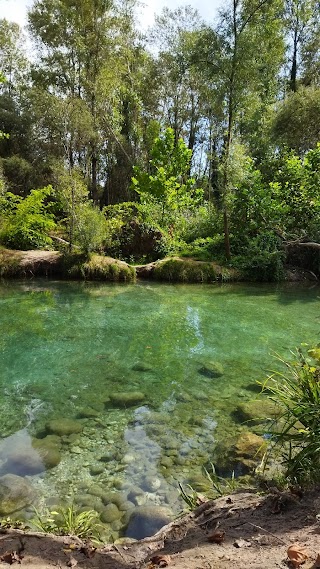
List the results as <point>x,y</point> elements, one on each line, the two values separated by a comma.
<point>71,351</point>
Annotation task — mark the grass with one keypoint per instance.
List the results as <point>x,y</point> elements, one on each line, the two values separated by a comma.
<point>296,430</point>
<point>191,271</point>
<point>69,521</point>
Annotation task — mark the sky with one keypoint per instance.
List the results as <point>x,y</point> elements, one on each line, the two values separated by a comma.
<point>16,10</point>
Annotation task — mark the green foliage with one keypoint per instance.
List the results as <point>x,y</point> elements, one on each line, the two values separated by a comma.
<point>131,234</point>
<point>167,181</point>
<point>69,521</point>
<point>26,223</point>
<point>262,259</point>
<point>296,123</point>
<point>84,223</point>
<point>296,431</point>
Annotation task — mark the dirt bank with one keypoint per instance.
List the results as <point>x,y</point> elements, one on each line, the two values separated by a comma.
<point>257,531</point>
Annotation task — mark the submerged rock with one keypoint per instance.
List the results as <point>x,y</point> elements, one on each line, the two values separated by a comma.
<point>145,521</point>
<point>49,450</point>
<point>110,514</point>
<point>127,398</point>
<point>88,413</point>
<point>211,369</point>
<point>141,366</point>
<point>255,412</point>
<point>62,427</point>
<point>240,458</point>
<point>15,494</point>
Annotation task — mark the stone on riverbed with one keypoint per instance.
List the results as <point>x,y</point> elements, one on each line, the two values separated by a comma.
<point>242,457</point>
<point>141,366</point>
<point>147,520</point>
<point>63,427</point>
<point>15,494</point>
<point>110,514</point>
<point>211,369</point>
<point>127,398</point>
<point>255,412</point>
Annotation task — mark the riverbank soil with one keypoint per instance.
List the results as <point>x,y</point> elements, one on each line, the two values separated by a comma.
<point>243,530</point>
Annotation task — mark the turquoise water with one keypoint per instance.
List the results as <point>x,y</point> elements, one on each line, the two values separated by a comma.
<point>67,351</point>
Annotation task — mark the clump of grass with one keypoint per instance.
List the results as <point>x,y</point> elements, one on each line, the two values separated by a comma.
<point>97,267</point>
<point>191,271</point>
<point>218,487</point>
<point>69,521</point>
<point>296,430</point>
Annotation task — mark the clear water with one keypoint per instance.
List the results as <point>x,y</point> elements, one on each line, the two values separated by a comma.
<point>67,347</point>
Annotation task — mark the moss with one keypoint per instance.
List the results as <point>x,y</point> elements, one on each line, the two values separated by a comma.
<point>22,264</point>
<point>97,267</point>
<point>190,271</point>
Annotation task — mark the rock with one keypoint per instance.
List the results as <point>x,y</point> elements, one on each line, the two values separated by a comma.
<point>242,457</point>
<point>88,501</point>
<point>151,483</point>
<point>141,366</point>
<point>211,369</point>
<point>110,514</point>
<point>126,398</point>
<point>42,455</point>
<point>88,413</point>
<point>96,469</point>
<point>62,427</point>
<point>146,521</point>
<point>255,412</point>
<point>15,494</point>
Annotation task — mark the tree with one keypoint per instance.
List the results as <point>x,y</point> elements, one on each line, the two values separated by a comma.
<point>249,32</point>
<point>167,181</point>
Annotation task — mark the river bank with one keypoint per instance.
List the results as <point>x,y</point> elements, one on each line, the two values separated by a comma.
<point>256,531</point>
<point>37,263</point>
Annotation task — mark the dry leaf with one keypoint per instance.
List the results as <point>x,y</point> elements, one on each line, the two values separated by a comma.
<point>161,560</point>
<point>11,557</point>
<point>201,499</point>
<point>297,555</point>
<point>217,537</point>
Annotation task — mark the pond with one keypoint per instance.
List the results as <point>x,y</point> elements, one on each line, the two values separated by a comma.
<point>113,394</point>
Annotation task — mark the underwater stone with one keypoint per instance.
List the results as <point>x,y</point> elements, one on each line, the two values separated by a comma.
<point>110,514</point>
<point>151,484</point>
<point>88,413</point>
<point>211,369</point>
<point>127,398</point>
<point>147,520</point>
<point>255,412</point>
<point>241,457</point>
<point>15,494</point>
<point>141,366</point>
<point>62,427</point>
<point>96,469</point>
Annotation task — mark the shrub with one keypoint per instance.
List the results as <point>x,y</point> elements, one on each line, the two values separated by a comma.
<point>131,234</point>
<point>262,259</point>
<point>26,222</point>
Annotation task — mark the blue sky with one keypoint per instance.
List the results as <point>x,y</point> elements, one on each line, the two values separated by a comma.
<point>16,9</point>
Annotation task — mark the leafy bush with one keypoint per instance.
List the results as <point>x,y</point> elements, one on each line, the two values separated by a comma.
<point>262,259</point>
<point>296,431</point>
<point>132,236</point>
<point>26,222</point>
